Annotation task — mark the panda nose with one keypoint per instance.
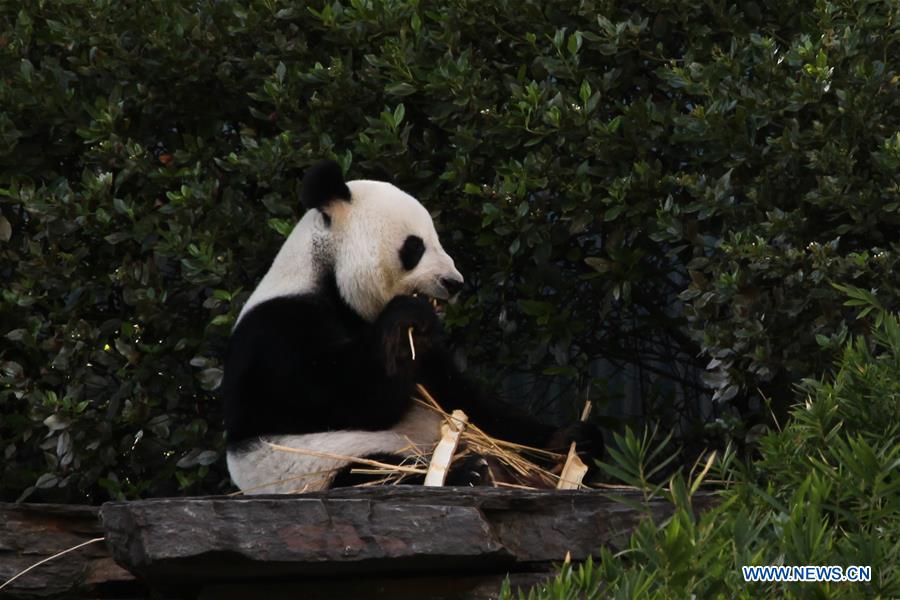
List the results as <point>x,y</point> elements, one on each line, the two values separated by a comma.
<point>451,285</point>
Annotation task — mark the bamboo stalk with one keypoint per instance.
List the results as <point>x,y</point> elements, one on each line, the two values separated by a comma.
<point>443,453</point>
<point>49,558</point>
<point>586,411</point>
<point>514,486</point>
<point>573,471</point>
<point>412,346</point>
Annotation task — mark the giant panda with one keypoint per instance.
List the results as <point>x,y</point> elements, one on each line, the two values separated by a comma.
<point>319,358</point>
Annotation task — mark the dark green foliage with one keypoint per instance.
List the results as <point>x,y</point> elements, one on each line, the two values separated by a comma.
<point>661,185</point>
<point>825,491</point>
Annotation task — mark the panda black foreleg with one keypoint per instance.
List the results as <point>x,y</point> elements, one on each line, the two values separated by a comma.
<point>453,390</point>
<point>434,368</point>
<point>377,394</point>
<point>392,330</point>
<point>359,378</point>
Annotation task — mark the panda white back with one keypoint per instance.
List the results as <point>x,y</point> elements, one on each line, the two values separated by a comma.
<point>296,270</point>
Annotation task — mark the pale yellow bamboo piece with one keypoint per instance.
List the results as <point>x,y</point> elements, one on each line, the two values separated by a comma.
<point>412,346</point>
<point>573,471</point>
<point>443,454</point>
<point>586,412</point>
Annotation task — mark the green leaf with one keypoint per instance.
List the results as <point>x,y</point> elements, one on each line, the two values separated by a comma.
<point>574,43</point>
<point>399,113</point>
<point>121,207</point>
<point>26,69</point>
<point>612,213</point>
<point>601,265</point>
<point>535,308</point>
<point>400,89</point>
<point>211,379</point>
<point>282,226</point>
<point>584,92</point>
<point>5,229</point>
<point>56,422</point>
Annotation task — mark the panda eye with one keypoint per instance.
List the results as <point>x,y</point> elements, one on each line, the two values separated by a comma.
<point>411,252</point>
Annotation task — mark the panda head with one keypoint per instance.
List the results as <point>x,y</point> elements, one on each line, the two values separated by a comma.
<point>378,241</point>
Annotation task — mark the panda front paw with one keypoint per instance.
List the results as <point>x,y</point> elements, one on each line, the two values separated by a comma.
<point>403,318</point>
<point>472,471</point>
<point>587,437</point>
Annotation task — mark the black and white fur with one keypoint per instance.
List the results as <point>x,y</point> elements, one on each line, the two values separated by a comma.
<point>319,358</point>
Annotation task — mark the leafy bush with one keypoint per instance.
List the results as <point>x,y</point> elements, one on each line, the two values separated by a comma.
<point>823,492</point>
<point>664,187</point>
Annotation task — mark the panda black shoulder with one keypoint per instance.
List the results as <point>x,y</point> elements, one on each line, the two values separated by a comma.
<point>271,359</point>
<point>275,319</point>
<point>294,324</point>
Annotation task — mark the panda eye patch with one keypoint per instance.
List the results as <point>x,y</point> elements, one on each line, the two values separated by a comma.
<point>411,252</point>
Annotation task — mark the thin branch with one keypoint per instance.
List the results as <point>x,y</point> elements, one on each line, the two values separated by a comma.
<point>49,558</point>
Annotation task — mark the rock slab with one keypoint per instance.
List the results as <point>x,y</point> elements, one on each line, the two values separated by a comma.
<point>397,543</point>
<point>384,530</point>
<point>30,533</point>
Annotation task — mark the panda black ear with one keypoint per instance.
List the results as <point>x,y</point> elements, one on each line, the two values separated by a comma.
<point>323,184</point>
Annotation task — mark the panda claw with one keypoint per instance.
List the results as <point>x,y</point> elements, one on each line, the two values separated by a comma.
<point>473,472</point>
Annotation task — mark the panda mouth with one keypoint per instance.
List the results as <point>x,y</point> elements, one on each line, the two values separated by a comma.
<point>439,306</point>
